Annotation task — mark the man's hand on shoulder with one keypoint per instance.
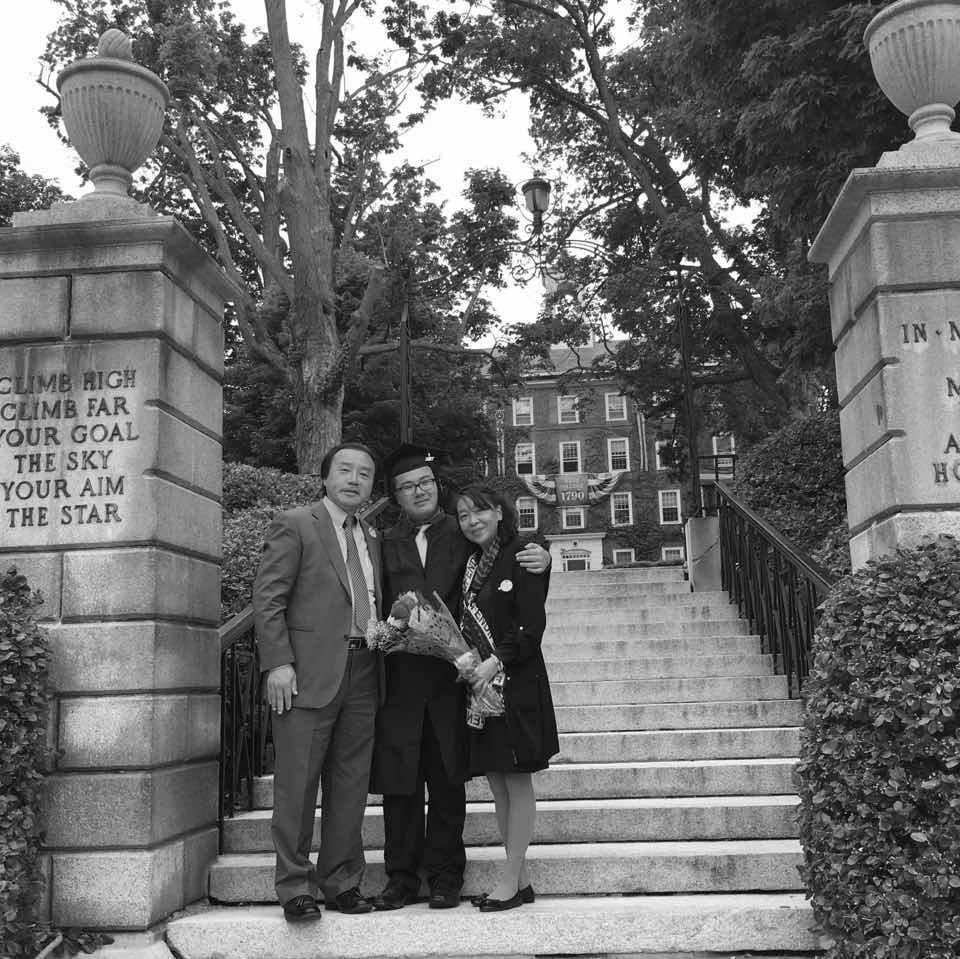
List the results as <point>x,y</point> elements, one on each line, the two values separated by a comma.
<point>534,558</point>
<point>281,688</point>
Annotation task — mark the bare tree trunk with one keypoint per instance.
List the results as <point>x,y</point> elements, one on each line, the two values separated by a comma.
<point>318,427</point>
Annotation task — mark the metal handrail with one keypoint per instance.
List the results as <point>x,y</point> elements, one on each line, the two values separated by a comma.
<point>775,585</point>
<point>721,465</point>
<point>235,627</point>
<point>245,738</point>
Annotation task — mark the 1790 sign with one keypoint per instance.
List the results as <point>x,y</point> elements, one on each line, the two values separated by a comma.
<point>62,436</point>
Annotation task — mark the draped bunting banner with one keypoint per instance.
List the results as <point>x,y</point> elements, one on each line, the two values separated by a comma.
<point>572,489</point>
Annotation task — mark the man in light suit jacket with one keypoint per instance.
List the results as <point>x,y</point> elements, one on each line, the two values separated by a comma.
<point>317,586</point>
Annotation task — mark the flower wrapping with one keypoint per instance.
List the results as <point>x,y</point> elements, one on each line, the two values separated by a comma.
<point>417,626</point>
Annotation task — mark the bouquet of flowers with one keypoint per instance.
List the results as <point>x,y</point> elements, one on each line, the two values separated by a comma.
<point>415,625</point>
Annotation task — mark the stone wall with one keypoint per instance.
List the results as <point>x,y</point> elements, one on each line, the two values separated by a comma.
<point>111,360</point>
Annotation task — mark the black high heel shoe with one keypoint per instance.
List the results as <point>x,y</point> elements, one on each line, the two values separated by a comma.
<point>526,894</point>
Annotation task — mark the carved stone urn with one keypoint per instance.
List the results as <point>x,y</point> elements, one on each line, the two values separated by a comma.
<point>113,110</point>
<point>915,51</point>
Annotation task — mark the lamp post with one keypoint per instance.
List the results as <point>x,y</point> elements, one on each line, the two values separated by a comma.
<point>689,403</point>
<point>406,417</point>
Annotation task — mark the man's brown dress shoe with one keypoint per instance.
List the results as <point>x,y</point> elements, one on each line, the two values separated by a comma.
<point>350,902</point>
<point>301,909</point>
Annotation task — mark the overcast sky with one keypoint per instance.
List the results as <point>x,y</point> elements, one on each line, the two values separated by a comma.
<point>454,138</point>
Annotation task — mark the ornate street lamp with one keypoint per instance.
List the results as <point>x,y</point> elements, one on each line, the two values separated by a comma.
<point>537,255</point>
<point>536,196</point>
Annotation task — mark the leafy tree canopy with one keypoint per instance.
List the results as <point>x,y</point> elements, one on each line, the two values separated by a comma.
<point>778,99</point>
<point>667,120</point>
<point>319,235</point>
<point>20,190</point>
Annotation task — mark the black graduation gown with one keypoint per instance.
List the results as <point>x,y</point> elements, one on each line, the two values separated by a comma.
<point>417,686</point>
<point>512,602</point>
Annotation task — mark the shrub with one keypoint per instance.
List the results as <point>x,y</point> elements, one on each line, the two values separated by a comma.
<point>794,480</point>
<point>243,533</point>
<point>248,486</point>
<point>252,496</point>
<point>880,759</point>
<point>24,755</point>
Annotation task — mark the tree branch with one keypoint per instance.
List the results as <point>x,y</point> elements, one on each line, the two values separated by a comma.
<point>220,184</point>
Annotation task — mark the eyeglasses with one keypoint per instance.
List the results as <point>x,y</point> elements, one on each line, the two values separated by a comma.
<point>424,485</point>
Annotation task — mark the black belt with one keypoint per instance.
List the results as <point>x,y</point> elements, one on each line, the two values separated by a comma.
<point>355,642</point>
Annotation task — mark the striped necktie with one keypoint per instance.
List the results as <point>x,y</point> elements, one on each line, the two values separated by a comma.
<point>358,582</point>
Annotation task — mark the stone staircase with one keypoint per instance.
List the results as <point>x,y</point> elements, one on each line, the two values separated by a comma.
<point>664,826</point>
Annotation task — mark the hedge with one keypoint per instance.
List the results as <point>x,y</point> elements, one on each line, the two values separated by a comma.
<point>24,755</point>
<point>880,759</point>
<point>252,496</point>
<point>794,480</point>
<point>247,487</point>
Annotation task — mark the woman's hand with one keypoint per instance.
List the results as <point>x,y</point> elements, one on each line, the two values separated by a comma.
<point>484,672</point>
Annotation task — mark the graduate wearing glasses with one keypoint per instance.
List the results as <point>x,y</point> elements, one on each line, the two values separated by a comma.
<point>421,735</point>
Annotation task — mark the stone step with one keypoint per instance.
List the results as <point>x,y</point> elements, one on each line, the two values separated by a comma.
<point>628,780</point>
<point>562,869</point>
<point>578,821</point>
<point>584,644</point>
<point>621,780</point>
<point>675,667</point>
<point>627,600</point>
<point>640,615</point>
<point>560,587</point>
<point>699,689</point>
<point>649,574</point>
<point>665,745</point>
<point>599,628</point>
<point>679,927</point>
<point>776,712</point>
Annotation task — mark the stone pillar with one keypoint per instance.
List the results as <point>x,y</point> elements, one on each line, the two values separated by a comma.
<point>892,245</point>
<point>111,359</point>
<point>702,537</point>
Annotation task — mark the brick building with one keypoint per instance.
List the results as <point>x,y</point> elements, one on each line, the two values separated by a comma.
<point>596,486</point>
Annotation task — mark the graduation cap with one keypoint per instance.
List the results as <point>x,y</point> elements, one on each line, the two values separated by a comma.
<point>408,457</point>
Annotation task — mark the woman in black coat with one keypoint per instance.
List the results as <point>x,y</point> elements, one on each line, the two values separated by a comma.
<point>503,618</point>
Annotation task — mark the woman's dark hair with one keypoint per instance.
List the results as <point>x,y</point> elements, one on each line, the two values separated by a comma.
<point>327,460</point>
<point>486,497</point>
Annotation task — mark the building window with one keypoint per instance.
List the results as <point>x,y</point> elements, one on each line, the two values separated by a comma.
<point>525,459</point>
<point>527,512</point>
<point>618,454</point>
<point>567,409</point>
<point>622,556</point>
<point>621,509</point>
<point>570,457</point>
<point>669,506</point>
<point>523,411</point>
<point>616,406</point>
<point>671,553</point>
<point>573,518</point>
<point>659,446</point>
